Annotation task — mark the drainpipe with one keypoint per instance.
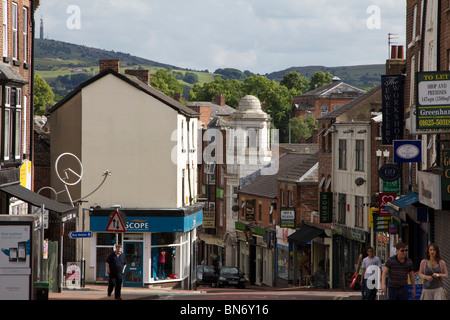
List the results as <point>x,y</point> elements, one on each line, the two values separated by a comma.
<point>32,85</point>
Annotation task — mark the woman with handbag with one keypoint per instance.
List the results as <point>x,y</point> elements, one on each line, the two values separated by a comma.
<point>358,271</point>
<point>433,270</point>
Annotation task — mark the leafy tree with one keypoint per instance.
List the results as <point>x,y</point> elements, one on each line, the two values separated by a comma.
<point>190,77</point>
<point>43,95</point>
<point>166,82</point>
<point>231,89</point>
<point>295,82</point>
<point>302,127</point>
<point>320,79</point>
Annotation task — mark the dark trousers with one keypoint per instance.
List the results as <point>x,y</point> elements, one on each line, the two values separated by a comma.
<point>397,293</point>
<point>370,294</point>
<point>115,283</point>
<point>160,270</point>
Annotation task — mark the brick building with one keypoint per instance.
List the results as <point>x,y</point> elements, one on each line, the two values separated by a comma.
<point>324,99</point>
<point>16,85</point>
<point>427,51</point>
<point>272,208</point>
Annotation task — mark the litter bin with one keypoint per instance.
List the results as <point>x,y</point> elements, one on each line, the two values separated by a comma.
<point>41,290</point>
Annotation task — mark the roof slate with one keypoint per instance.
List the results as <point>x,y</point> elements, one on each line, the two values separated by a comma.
<point>292,166</point>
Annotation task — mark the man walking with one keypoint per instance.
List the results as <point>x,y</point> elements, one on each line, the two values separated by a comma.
<point>115,267</point>
<point>398,267</point>
<point>370,271</point>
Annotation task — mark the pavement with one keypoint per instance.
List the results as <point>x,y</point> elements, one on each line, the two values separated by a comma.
<point>98,292</point>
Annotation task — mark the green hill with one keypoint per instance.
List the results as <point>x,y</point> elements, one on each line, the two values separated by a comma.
<point>362,76</point>
<point>65,65</point>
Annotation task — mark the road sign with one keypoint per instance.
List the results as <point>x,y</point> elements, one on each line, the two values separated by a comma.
<point>80,234</point>
<point>116,223</point>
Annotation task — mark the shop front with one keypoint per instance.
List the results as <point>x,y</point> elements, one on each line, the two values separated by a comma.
<point>160,245</point>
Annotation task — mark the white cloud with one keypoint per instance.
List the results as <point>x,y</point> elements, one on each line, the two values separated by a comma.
<point>257,35</point>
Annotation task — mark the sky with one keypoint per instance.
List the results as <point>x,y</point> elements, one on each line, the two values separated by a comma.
<point>261,36</point>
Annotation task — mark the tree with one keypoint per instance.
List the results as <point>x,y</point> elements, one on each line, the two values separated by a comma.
<point>43,95</point>
<point>166,82</point>
<point>320,79</point>
<point>190,77</point>
<point>295,82</point>
<point>231,89</point>
<point>302,127</point>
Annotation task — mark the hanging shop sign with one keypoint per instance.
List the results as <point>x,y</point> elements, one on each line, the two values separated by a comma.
<point>445,178</point>
<point>392,111</point>
<point>383,200</point>
<point>389,172</point>
<point>433,100</point>
<point>391,186</point>
<point>407,151</point>
<point>326,205</point>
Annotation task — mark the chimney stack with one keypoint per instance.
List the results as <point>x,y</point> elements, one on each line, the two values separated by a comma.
<point>143,75</point>
<point>113,64</point>
<point>220,99</point>
<point>397,63</point>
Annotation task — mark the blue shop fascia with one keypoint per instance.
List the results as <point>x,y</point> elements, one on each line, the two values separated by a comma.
<point>160,244</point>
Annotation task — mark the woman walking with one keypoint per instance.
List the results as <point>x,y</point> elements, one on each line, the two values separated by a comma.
<point>433,270</point>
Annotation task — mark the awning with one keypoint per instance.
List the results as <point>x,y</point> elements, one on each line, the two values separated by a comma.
<point>24,194</point>
<point>404,201</point>
<point>306,233</point>
<point>9,74</point>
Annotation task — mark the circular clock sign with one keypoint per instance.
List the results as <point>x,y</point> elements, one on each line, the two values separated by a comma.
<point>389,172</point>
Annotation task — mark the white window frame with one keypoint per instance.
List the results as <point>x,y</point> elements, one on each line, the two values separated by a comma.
<point>25,34</point>
<point>7,124</point>
<point>15,29</point>
<point>5,28</point>
<point>18,125</point>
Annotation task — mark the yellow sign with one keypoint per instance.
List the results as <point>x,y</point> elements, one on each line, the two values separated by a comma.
<point>25,174</point>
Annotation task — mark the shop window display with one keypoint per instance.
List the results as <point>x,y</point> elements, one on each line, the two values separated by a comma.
<point>167,252</point>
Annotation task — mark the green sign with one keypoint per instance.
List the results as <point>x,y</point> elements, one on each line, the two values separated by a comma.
<point>433,100</point>
<point>391,186</point>
<point>381,223</point>
<point>287,217</point>
<point>326,207</point>
<point>445,178</point>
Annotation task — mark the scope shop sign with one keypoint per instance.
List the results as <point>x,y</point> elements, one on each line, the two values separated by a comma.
<point>433,100</point>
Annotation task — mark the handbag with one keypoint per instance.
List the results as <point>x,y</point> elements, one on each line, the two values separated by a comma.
<point>354,281</point>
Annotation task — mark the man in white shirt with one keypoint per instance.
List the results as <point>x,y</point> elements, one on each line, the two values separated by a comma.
<point>371,271</point>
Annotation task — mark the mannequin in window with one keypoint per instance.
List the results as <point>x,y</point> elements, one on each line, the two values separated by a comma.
<point>161,263</point>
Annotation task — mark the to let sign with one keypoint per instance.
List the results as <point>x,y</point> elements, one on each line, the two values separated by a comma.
<point>433,100</point>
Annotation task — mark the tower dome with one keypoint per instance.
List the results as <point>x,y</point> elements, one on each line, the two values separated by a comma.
<point>249,103</point>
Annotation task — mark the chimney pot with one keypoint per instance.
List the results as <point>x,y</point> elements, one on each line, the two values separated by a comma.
<point>394,51</point>
<point>400,52</point>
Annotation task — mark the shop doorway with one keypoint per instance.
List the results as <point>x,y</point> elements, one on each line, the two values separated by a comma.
<point>133,271</point>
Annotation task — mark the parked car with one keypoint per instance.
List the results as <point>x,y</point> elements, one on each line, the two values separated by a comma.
<point>231,276</point>
<point>206,275</point>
